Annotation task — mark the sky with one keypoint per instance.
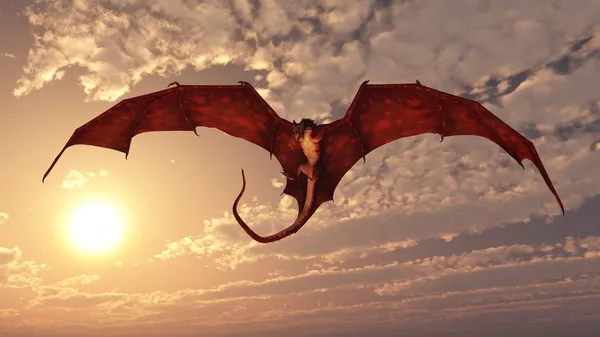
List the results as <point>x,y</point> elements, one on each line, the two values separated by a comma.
<point>424,239</point>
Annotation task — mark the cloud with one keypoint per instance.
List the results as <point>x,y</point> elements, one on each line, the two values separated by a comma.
<point>8,255</point>
<point>76,179</point>
<point>15,272</point>
<point>277,183</point>
<point>101,173</point>
<point>9,55</point>
<point>137,48</point>
<point>513,280</point>
<point>496,265</point>
<point>3,217</point>
<point>78,280</point>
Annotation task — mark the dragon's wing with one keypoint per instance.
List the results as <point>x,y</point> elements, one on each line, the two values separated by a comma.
<point>382,113</point>
<point>237,110</point>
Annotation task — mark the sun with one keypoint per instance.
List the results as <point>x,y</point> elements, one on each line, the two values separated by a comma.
<point>96,227</point>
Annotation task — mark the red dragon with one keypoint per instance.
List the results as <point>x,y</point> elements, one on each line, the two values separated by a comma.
<point>314,157</point>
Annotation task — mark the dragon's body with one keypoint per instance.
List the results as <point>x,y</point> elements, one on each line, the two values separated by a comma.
<point>314,157</point>
<point>308,139</point>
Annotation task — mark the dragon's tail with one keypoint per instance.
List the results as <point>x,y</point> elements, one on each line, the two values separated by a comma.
<point>301,219</point>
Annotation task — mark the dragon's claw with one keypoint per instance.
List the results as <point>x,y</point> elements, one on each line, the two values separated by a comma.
<point>316,174</point>
<point>287,175</point>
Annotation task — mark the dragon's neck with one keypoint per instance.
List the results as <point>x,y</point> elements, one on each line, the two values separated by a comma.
<point>307,133</point>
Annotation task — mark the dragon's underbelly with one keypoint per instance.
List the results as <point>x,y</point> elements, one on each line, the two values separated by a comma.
<point>310,149</point>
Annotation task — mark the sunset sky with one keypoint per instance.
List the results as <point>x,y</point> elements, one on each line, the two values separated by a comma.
<point>424,239</point>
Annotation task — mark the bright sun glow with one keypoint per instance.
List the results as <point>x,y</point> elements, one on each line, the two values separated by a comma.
<point>96,227</point>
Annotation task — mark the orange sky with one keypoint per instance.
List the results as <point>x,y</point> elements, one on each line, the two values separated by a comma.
<point>422,238</point>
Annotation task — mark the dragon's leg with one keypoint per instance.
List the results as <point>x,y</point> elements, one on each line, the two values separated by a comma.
<point>304,168</point>
<point>309,170</point>
<point>289,176</point>
<point>316,171</point>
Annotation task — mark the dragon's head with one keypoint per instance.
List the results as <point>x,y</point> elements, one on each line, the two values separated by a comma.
<point>299,128</point>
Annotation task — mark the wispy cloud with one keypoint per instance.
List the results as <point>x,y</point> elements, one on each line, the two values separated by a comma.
<point>12,56</point>
<point>76,179</point>
<point>78,280</point>
<point>518,278</point>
